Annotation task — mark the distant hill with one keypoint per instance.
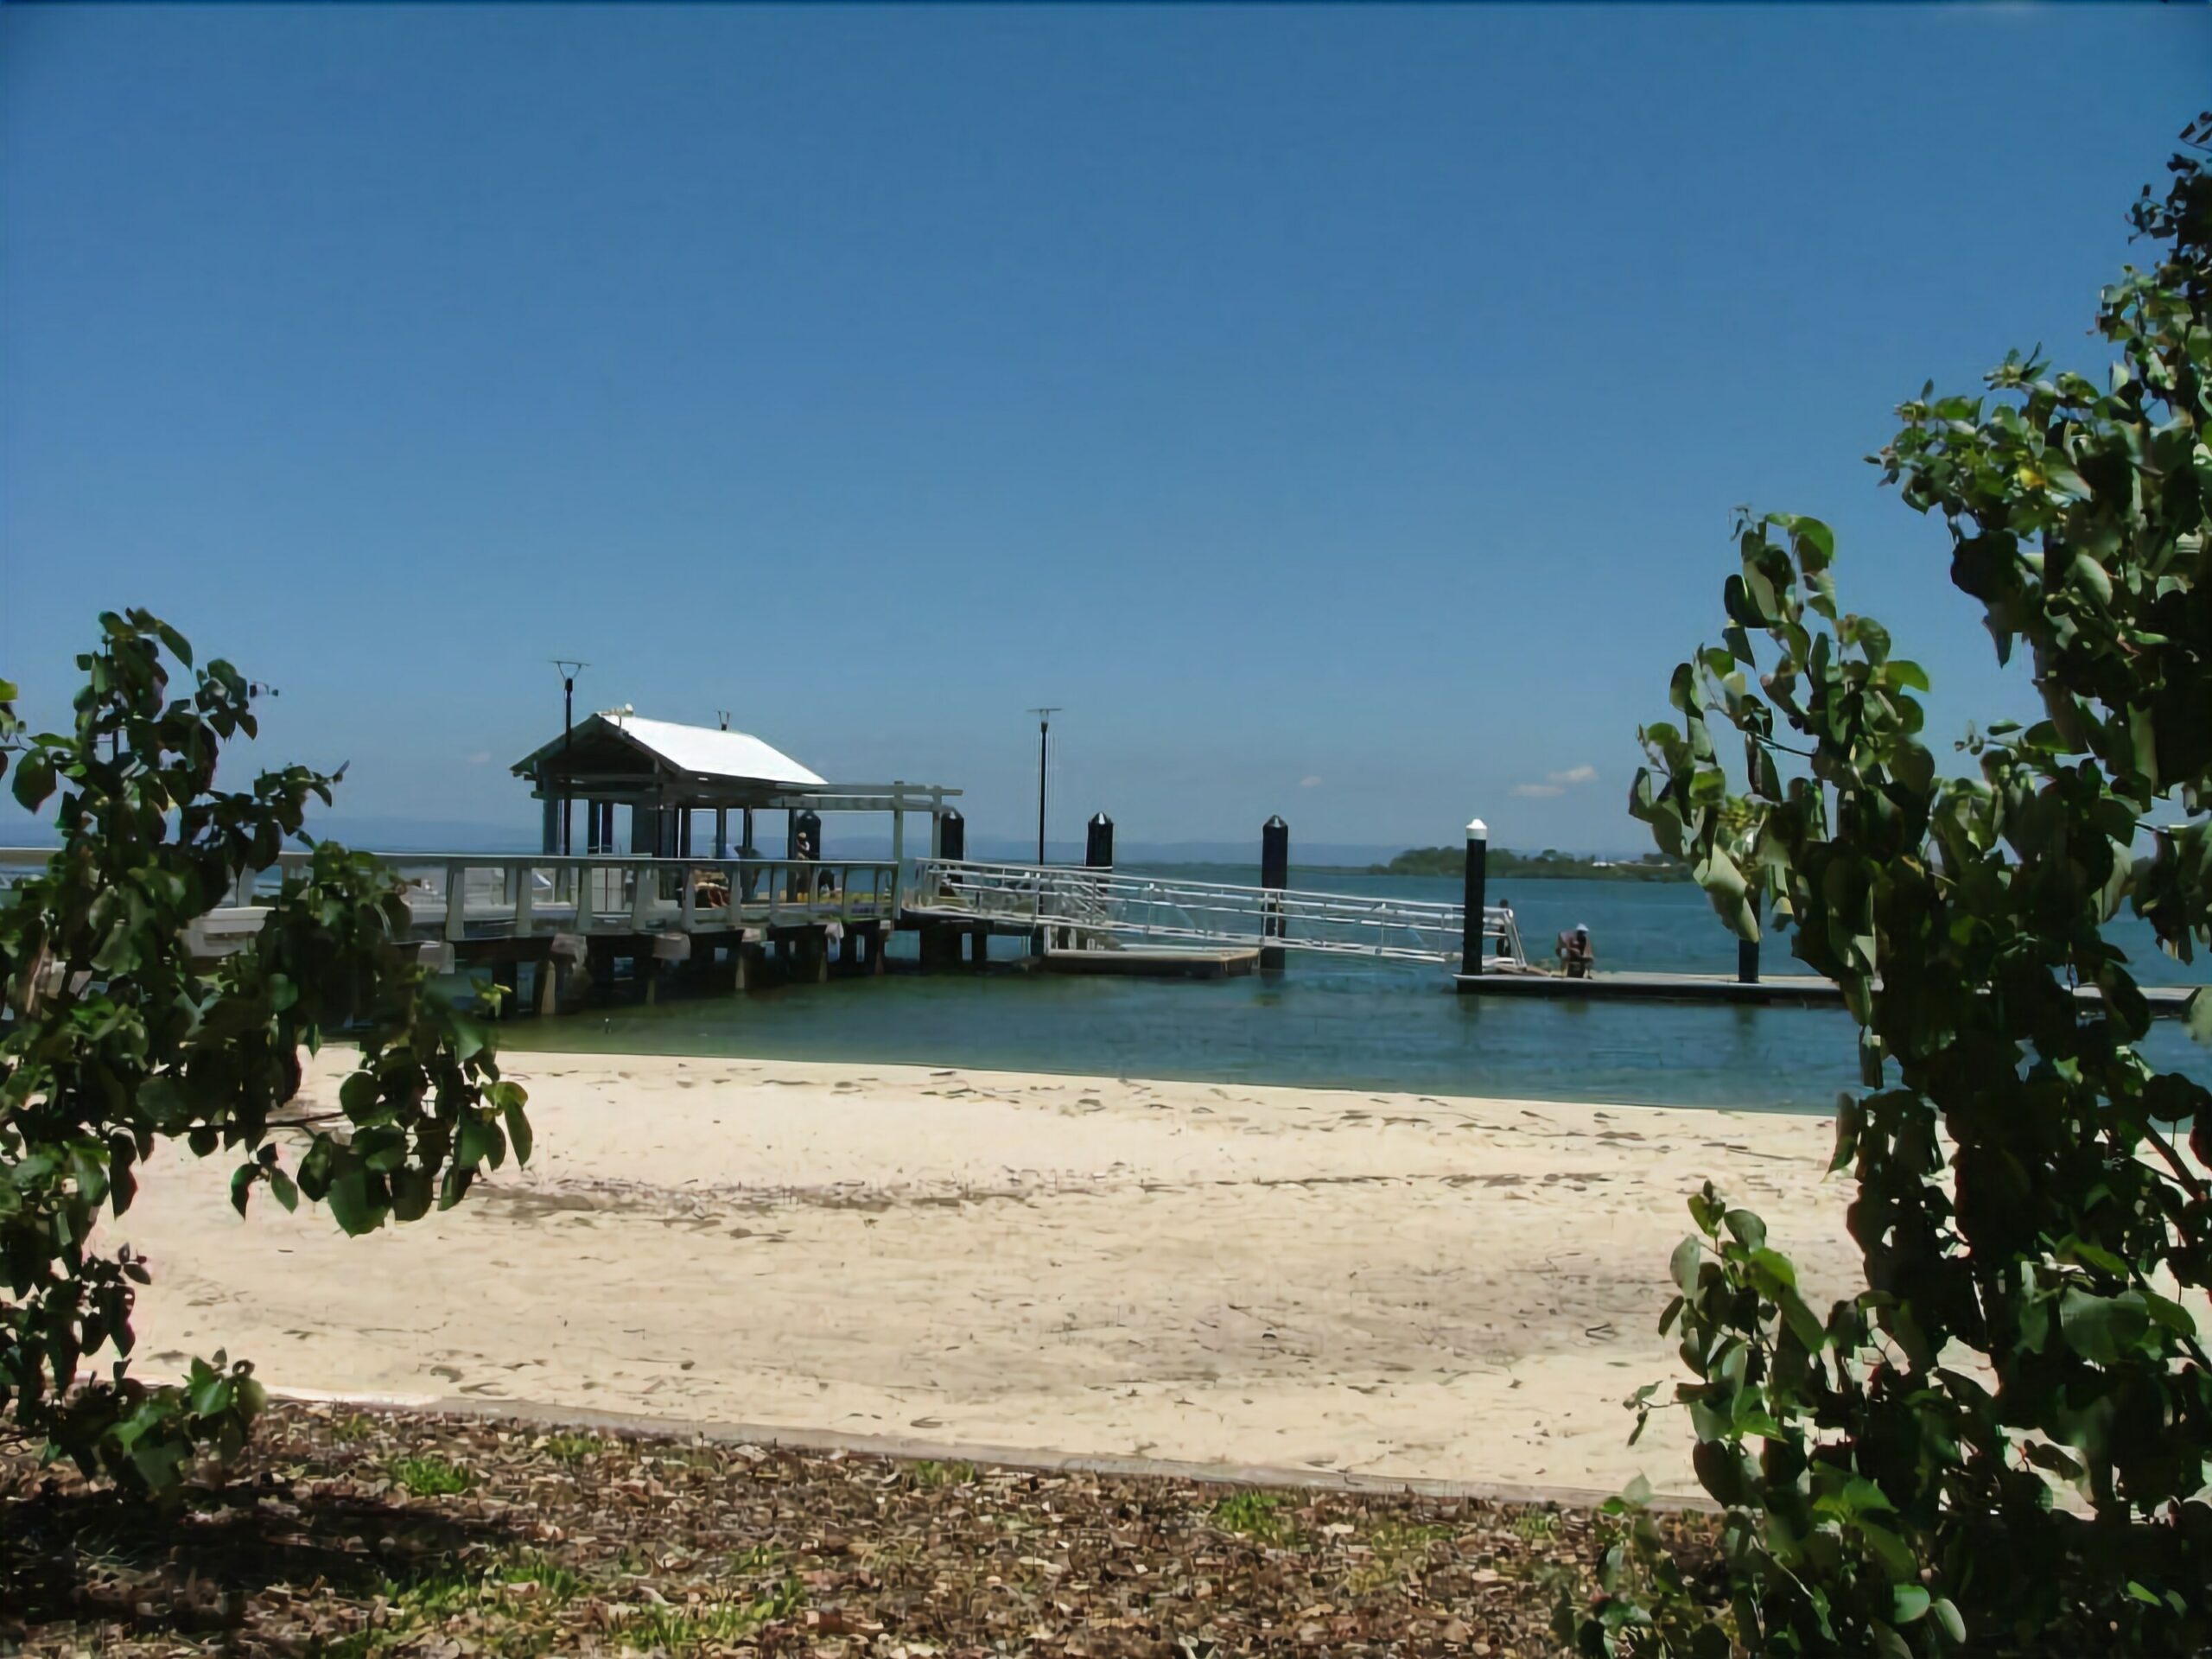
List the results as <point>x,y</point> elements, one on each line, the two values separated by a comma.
<point>1521,867</point>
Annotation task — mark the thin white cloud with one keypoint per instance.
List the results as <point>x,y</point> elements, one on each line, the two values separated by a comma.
<point>482,758</point>
<point>1555,782</point>
<point>1309,783</point>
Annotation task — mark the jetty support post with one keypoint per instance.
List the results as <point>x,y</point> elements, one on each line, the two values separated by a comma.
<point>898,849</point>
<point>952,835</point>
<point>1747,955</point>
<point>1098,843</point>
<point>1275,874</point>
<point>1477,898</point>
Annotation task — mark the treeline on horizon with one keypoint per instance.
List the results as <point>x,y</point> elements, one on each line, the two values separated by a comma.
<point>1551,863</point>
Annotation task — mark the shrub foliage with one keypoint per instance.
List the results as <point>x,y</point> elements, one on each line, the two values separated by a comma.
<point>117,1036</point>
<point>2000,1443</point>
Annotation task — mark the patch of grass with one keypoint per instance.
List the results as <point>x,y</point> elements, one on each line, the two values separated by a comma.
<point>1254,1516</point>
<point>1537,1525</point>
<point>547,1579</point>
<point>682,1629</point>
<point>929,1474</point>
<point>572,1448</point>
<point>352,1429</point>
<point>1404,1537</point>
<point>434,1592</point>
<point>510,1598</point>
<point>1397,1548</point>
<point>431,1476</point>
<point>760,1558</point>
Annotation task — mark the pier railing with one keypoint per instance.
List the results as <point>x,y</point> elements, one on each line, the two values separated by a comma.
<point>1105,906</point>
<point>457,896</point>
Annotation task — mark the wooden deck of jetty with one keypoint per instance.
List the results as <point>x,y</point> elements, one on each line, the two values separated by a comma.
<point>1769,990</point>
<point>1164,962</point>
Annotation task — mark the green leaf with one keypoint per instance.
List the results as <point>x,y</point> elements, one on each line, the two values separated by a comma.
<point>34,779</point>
<point>1688,1256</point>
<point>1948,1616</point>
<point>2102,1329</point>
<point>1850,1116</point>
<point>471,1037</point>
<point>1908,1602</point>
<point>478,1142</point>
<point>1803,1323</point>
<point>180,647</point>
<point>2170,1314</point>
<point>350,1205</point>
<point>360,1096</point>
<point>282,1187</point>
<point>1889,1549</point>
<point>209,1391</point>
<point>517,1130</point>
<point>413,1190</point>
<point>164,1104</point>
<point>1725,885</point>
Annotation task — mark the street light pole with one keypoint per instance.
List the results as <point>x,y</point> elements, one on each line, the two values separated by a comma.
<point>569,668</point>
<point>1043,748</point>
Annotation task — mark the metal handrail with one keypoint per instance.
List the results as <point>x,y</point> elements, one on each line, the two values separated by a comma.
<point>522,895</point>
<point>1108,903</point>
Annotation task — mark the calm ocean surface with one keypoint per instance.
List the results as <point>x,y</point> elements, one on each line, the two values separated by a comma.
<point>1330,1023</point>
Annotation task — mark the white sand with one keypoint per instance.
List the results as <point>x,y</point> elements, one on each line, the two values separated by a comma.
<point>1305,1279</point>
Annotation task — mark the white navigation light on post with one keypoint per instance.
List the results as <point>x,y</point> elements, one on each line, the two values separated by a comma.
<point>1475,926</point>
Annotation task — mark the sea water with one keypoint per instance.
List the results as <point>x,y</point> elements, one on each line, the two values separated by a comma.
<point>1335,1022</point>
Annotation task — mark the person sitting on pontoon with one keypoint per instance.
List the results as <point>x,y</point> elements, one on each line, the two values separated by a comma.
<point>1576,958</point>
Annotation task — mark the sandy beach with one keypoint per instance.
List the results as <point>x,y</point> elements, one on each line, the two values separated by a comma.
<point>1396,1284</point>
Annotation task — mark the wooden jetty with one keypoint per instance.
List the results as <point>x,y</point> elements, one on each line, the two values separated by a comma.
<point>560,924</point>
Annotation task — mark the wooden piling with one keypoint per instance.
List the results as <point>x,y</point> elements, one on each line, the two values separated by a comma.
<point>1275,874</point>
<point>1475,898</point>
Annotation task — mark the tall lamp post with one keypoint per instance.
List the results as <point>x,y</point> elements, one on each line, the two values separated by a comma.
<point>569,668</point>
<point>1044,749</point>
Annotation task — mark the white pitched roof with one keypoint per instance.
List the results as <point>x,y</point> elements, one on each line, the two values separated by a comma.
<point>703,751</point>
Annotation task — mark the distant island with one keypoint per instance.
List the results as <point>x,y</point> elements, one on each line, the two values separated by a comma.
<point>1504,863</point>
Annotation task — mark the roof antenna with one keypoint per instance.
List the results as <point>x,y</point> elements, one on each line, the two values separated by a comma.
<point>724,713</point>
<point>568,668</point>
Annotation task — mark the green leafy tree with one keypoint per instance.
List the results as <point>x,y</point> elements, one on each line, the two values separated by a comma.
<point>115,1039</point>
<point>1999,1445</point>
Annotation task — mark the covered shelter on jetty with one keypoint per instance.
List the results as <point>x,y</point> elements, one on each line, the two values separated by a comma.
<point>667,774</point>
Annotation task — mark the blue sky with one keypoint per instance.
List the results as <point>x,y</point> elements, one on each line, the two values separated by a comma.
<point>1340,412</point>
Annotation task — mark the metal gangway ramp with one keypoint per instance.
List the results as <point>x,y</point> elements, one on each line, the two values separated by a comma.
<point>1104,909</point>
